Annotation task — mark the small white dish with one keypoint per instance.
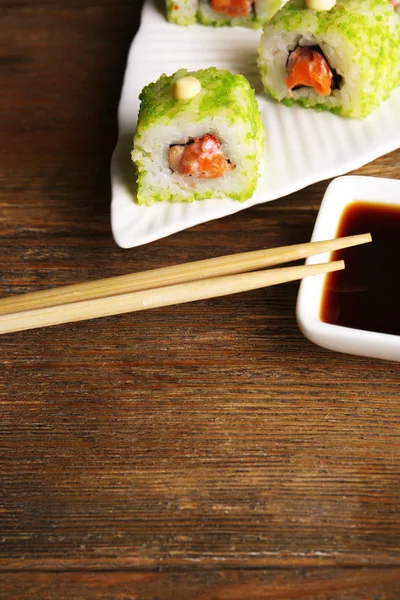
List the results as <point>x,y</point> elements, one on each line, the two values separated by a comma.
<point>303,146</point>
<point>339,194</point>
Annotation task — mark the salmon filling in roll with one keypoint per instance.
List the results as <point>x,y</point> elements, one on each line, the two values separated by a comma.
<point>233,8</point>
<point>201,157</point>
<point>307,66</point>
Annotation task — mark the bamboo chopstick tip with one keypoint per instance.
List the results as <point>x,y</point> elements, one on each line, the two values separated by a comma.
<point>336,265</point>
<point>365,238</point>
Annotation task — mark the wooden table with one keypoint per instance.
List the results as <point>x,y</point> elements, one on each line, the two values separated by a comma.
<point>206,451</point>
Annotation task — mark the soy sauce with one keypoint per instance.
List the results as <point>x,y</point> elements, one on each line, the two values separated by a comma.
<point>366,295</point>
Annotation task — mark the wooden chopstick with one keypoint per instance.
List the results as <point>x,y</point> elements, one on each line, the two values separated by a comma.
<point>167,286</point>
<point>203,269</point>
<point>155,298</point>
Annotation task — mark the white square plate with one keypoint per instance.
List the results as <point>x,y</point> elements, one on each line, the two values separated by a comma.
<point>303,146</point>
<point>340,193</point>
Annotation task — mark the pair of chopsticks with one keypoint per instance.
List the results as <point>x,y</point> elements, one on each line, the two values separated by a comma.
<point>167,286</point>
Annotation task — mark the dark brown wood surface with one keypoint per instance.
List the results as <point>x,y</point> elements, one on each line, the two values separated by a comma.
<point>204,451</point>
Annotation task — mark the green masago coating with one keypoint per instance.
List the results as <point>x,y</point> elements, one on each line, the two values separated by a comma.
<point>360,39</point>
<point>266,9</point>
<point>226,102</point>
<point>219,92</point>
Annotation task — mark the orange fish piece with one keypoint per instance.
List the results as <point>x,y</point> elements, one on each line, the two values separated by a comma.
<point>201,158</point>
<point>232,8</point>
<point>308,67</point>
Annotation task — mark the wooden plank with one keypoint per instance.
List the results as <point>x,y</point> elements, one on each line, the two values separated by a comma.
<point>198,449</point>
<point>323,584</point>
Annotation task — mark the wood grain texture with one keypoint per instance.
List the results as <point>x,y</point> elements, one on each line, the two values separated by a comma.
<point>321,584</point>
<point>205,436</point>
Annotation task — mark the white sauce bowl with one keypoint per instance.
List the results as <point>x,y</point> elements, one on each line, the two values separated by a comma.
<point>339,194</point>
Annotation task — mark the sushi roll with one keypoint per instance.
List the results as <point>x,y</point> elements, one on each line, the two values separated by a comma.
<point>199,135</point>
<point>345,60</point>
<point>245,13</point>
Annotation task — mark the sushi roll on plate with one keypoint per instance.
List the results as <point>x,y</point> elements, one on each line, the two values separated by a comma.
<point>345,60</point>
<point>245,13</point>
<point>199,135</point>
